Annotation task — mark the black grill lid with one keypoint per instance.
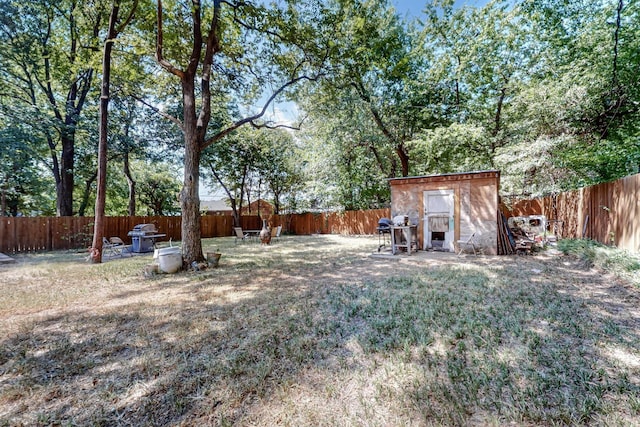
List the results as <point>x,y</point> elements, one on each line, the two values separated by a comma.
<point>384,224</point>
<point>384,221</point>
<point>147,228</point>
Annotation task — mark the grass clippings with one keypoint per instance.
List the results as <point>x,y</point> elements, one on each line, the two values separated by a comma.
<point>312,331</point>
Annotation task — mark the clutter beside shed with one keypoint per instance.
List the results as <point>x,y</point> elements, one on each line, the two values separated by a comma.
<point>448,208</point>
<point>529,232</point>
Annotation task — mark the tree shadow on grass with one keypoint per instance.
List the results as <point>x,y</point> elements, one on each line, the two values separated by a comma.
<point>505,348</point>
<point>156,363</point>
<point>466,344</point>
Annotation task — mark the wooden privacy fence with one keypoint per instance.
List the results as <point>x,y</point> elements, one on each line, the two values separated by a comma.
<point>53,233</point>
<point>607,212</point>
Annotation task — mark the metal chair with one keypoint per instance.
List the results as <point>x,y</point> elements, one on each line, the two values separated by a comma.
<point>277,233</point>
<point>470,242</point>
<point>115,246</point>
<point>240,235</point>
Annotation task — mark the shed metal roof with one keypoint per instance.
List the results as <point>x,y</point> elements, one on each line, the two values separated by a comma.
<point>447,176</point>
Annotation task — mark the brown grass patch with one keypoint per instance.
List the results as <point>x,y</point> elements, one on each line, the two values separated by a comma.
<point>312,331</point>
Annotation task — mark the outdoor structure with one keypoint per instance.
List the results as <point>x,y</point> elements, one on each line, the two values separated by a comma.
<point>259,207</point>
<point>215,207</point>
<point>449,208</point>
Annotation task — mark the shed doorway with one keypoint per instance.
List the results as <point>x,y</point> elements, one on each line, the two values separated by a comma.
<point>438,220</point>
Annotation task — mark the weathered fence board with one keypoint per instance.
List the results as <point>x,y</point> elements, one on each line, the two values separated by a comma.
<point>53,233</point>
<point>608,212</point>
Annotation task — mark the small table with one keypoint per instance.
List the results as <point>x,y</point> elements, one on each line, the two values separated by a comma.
<point>404,236</point>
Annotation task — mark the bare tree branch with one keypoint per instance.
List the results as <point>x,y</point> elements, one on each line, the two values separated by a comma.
<point>256,116</point>
<point>269,126</point>
<point>129,17</point>
<point>196,13</point>
<point>159,40</point>
<point>158,111</point>
<point>212,47</point>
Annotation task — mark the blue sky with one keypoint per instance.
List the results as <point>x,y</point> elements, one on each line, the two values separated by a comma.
<point>414,7</point>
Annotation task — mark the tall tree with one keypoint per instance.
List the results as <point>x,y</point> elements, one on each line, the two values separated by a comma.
<point>47,49</point>
<point>575,123</point>
<point>279,165</point>
<point>112,32</point>
<point>229,165</point>
<point>347,158</point>
<point>483,56</point>
<point>23,189</point>
<point>159,188</point>
<point>374,68</point>
<point>267,157</point>
<point>250,42</point>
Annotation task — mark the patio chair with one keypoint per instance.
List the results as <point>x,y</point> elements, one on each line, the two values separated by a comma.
<point>466,243</point>
<point>115,247</point>
<point>240,235</point>
<point>276,235</point>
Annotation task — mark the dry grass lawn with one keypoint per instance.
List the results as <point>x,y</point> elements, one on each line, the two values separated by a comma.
<point>311,331</point>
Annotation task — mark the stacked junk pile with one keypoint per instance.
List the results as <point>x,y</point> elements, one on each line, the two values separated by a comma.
<point>522,234</point>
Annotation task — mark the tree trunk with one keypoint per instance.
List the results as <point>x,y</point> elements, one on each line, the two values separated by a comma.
<point>3,201</point>
<point>276,202</point>
<point>132,186</point>
<point>189,195</point>
<point>55,170</point>
<point>98,227</point>
<point>404,159</point>
<point>190,204</point>
<point>236,214</point>
<point>248,192</point>
<point>259,185</point>
<point>86,193</point>
<point>65,189</point>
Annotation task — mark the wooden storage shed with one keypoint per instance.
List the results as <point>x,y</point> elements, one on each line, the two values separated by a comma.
<point>450,207</point>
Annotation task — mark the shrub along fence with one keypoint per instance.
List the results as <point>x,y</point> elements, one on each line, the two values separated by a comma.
<point>23,234</point>
<point>607,212</point>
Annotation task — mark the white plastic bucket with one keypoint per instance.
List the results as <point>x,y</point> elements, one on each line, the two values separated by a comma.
<point>170,261</point>
<point>164,251</point>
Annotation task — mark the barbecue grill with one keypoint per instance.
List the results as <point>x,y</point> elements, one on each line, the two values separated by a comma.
<point>384,232</point>
<point>143,237</point>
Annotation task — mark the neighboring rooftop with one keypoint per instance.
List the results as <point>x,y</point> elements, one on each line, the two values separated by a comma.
<point>214,206</point>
